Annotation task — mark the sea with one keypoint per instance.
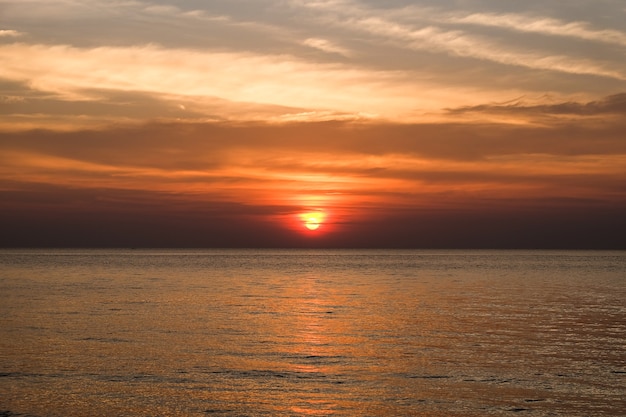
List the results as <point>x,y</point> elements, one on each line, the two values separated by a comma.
<point>147,332</point>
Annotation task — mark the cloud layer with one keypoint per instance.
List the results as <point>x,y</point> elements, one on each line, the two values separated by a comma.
<point>221,123</point>
<point>356,172</point>
<point>305,60</point>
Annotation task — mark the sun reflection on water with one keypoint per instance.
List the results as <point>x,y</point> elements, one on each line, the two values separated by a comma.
<point>315,349</point>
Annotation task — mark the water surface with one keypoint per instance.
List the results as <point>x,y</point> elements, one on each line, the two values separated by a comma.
<point>294,332</point>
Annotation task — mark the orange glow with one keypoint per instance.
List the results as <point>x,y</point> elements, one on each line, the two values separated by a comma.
<point>330,188</point>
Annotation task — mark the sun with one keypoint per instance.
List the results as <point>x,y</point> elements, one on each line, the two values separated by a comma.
<point>312,224</point>
<point>312,220</point>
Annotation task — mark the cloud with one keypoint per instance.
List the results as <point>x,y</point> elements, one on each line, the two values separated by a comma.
<point>459,43</point>
<point>543,25</point>
<point>261,149</point>
<point>357,171</point>
<point>241,77</point>
<point>206,150</point>
<point>9,33</point>
<point>428,33</point>
<point>228,62</point>
<point>285,84</point>
<point>197,117</point>
<point>326,46</point>
<point>614,104</point>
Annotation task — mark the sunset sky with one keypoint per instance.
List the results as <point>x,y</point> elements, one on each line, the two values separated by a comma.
<point>230,123</point>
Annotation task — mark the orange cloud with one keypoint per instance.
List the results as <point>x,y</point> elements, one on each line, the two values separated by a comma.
<point>229,85</point>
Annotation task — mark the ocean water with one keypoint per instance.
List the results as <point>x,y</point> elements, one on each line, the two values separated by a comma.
<point>319,332</point>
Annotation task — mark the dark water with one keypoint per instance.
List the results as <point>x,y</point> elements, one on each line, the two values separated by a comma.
<point>290,333</point>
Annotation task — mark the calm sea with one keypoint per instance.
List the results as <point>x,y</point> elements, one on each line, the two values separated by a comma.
<point>322,333</point>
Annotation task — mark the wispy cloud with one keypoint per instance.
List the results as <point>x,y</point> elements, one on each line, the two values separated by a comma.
<point>459,43</point>
<point>326,46</point>
<point>173,74</point>
<point>614,104</point>
<point>543,25</point>
<point>9,33</point>
<point>176,14</point>
<point>429,31</point>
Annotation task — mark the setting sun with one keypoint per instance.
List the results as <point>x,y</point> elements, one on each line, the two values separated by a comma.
<point>312,224</point>
<point>313,220</point>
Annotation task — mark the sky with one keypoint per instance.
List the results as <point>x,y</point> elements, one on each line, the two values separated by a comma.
<point>232,123</point>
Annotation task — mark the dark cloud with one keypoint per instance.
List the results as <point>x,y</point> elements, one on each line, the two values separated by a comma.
<point>614,104</point>
<point>103,104</point>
